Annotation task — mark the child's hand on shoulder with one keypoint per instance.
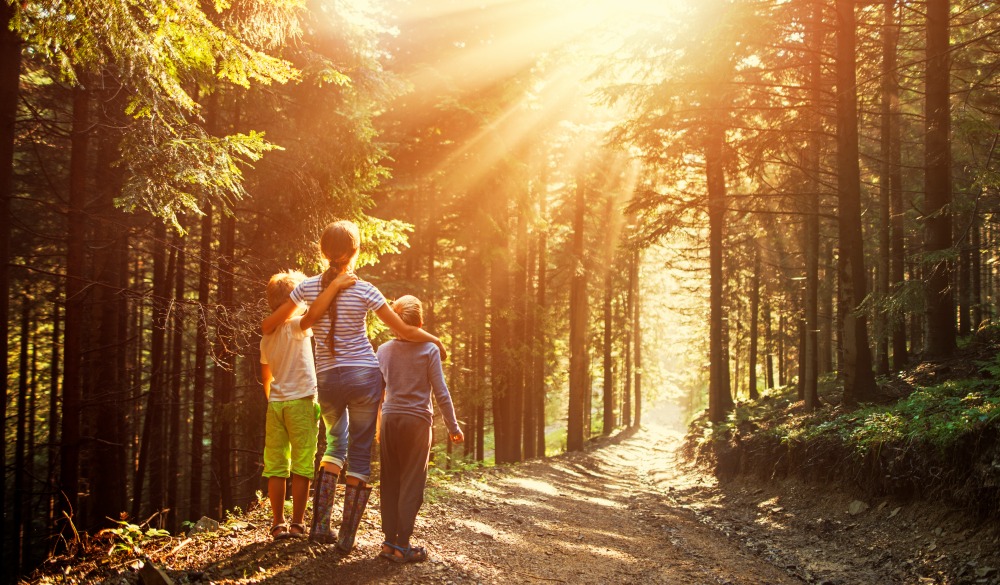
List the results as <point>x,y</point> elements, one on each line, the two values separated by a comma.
<point>458,437</point>
<point>344,280</point>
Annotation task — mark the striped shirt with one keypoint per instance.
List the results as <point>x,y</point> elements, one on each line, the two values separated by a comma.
<point>350,337</point>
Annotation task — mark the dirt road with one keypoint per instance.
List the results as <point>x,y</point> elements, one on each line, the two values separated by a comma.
<point>626,511</point>
<point>605,516</point>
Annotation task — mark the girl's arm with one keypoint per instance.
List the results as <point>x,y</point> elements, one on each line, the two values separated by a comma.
<point>407,332</point>
<point>285,311</point>
<point>319,307</point>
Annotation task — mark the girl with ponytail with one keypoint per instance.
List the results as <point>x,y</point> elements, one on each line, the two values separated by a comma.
<point>350,383</point>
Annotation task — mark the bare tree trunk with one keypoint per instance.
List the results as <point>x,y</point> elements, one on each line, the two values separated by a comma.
<point>782,333</point>
<point>501,334</point>
<point>151,460</point>
<point>106,385</point>
<point>221,487</point>
<point>69,455</point>
<point>21,520</point>
<point>530,352</point>
<point>809,357</point>
<point>629,360</point>
<point>859,381</point>
<point>578,323</point>
<point>53,437</point>
<point>481,405</point>
<point>937,183</point>
<point>637,336</point>
<point>897,212</point>
<point>720,400</point>
<point>176,379</point>
<point>754,326</point>
<point>768,344</point>
<point>609,382</point>
<point>520,342</point>
<point>10,75</point>
<point>541,346</point>
<point>200,365</point>
<point>976,269</point>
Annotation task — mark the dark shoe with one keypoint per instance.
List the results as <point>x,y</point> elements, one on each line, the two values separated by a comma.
<point>355,502</point>
<point>323,496</point>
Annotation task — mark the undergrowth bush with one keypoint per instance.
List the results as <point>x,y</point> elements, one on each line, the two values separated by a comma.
<point>940,439</point>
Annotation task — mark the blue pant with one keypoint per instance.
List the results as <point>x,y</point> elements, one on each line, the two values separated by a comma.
<point>350,397</point>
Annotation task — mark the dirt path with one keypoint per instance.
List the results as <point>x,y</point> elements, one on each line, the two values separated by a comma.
<point>625,511</point>
<point>605,516</point>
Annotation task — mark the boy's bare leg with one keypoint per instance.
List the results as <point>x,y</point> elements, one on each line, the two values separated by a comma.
<point>276,494</point>
<point>300,493</point>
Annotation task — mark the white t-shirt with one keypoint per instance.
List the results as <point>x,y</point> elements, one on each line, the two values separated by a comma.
<point>351,336</point>
<point>289,353</point>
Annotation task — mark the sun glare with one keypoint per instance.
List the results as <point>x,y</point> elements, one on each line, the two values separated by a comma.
<point>566,45</point>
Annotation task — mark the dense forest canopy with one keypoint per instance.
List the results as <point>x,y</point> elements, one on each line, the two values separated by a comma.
<point>601,204</point>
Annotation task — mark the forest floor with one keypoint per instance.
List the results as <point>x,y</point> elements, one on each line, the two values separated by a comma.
<point>625,511</point>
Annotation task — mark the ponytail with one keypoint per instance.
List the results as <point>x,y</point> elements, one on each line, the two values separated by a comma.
<point>339,244</point>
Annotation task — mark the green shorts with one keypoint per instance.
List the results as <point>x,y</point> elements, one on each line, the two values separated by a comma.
<point>290,437</point>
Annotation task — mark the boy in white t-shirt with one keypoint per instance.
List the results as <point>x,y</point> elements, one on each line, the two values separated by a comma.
<point>292,422</point>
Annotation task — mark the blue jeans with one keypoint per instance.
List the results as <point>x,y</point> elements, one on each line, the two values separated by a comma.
<point>350,397</point>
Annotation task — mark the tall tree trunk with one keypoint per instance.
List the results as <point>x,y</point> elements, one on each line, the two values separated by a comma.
<point>151,458</point>
<point>176,380</point>
<point>937,183</point>
<point>964,289</point>
<point>530,355</point>
<point>782,333</point>
<point>200,365</point>
<point>976,269</point>
<point>810,355</point>
<point>897,233</point>
<point>481,405</point>
<point>578,323</point>
<point>883,325</point>
<point>10,75</point>
<point>637,336</point>
<point>720,400</point>
<point>223,417</point>
<point>53,436</point>
<point>627,388</point>
<point>768,345</point>
<point>859,381</point>
<point>501,332</point>
<point>520,342</point>
<point>541,323</point>
<point>609,382</point>
<point>826,318</point>
<point>69,454</point>
<point>21,508</point>
<point>754,326</point>
<point>106,386</point>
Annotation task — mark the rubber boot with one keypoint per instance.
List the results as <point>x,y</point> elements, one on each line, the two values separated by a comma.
<point>323,496</point>
<point>355,501</point>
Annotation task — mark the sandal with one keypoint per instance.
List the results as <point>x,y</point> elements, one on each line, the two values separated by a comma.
<point>386,550</point>
<point>412,554</point>
<point>280,531</point>
<point>296,530</point>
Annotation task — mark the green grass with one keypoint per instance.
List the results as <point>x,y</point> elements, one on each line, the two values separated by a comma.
<point>938,415</point>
